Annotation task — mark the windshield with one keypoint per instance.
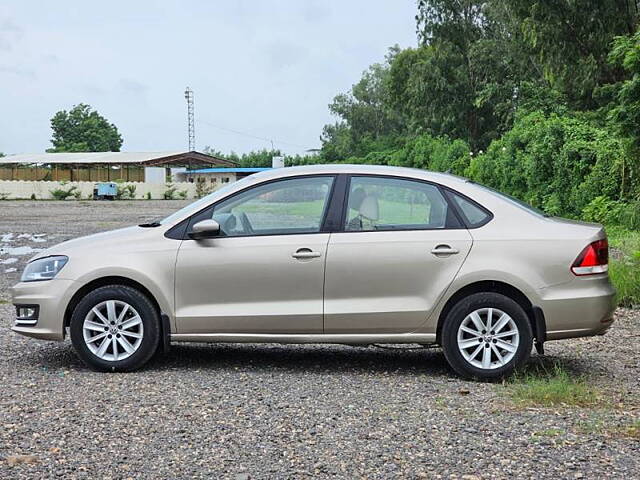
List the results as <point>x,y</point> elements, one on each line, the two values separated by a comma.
<point>204,201</point>
<point>513,200</point>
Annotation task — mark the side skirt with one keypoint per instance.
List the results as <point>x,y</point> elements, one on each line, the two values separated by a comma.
<point>349,338</point>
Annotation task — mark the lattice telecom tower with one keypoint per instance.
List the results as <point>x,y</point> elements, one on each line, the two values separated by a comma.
<point>188,95</point>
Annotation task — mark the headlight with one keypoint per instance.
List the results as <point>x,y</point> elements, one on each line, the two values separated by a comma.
<point>43,268</point>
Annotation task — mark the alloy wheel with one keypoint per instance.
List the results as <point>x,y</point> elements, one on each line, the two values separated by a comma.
<point>113,330</point>
<point>488,338</point>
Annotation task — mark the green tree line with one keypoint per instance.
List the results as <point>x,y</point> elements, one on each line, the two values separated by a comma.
<point>538,99</point>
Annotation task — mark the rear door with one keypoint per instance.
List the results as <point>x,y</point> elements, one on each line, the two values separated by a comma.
<point>400,248</point>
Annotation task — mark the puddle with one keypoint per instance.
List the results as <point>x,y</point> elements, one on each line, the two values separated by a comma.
<point>26,250</point>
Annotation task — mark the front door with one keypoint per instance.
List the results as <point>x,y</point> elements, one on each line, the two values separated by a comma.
<point>400,249</point>
<point>265,272</point>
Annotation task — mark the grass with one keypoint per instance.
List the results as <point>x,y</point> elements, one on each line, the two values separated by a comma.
<point>549,387</point>
<point>549,432</point>
<point>632,430</point>
<point>3,302</point>
<point>624,265</point>
<point>603,427</point>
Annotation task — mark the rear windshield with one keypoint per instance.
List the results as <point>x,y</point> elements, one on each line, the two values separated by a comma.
<point>514,201</point>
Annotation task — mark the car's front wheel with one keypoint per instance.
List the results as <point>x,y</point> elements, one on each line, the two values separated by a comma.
<point>486,336</point>
<point>115,328</point>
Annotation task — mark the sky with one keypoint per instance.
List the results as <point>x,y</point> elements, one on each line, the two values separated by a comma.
<point>264,68</point>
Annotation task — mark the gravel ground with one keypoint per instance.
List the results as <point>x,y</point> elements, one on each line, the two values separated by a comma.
<point>269,411</point>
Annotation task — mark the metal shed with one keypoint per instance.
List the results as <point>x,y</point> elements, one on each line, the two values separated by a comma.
<point>105,166</point>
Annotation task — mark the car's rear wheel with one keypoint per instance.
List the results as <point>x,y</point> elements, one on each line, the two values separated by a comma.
<point>486,336</point>
<point>115,328</point>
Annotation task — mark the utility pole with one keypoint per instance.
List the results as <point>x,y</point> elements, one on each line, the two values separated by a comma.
<point>188,95</point>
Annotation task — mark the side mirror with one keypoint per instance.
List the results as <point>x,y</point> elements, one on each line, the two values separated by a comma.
<point>205,229</point>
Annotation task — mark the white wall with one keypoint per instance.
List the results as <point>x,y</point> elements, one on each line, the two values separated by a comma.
<point>155,175</point>
<point>175,173</point>
<point>18,189</point>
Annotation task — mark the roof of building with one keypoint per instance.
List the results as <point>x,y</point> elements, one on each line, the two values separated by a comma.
<point>230,170</point>
<point>184,159</point>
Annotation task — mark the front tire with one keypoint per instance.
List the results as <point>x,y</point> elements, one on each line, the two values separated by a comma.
<point>485,336</point>
<point>115,328</point>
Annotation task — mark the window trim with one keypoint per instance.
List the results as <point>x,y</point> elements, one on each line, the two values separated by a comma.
<point>441,188</point>
<point>180,230</point>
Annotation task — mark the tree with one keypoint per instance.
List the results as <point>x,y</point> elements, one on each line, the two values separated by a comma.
<point>254,159</point>
<point>571,40</point>
<point>471,73</point>
<point>626,94</point>
<point>83,130</point>
<point>367,119</point>
<point>624,107</point>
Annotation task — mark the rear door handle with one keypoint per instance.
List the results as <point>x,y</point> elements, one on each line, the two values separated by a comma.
<point>444,250</point>
<point>306,253</point>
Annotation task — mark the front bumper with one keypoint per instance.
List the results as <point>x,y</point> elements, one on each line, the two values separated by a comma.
<point>52,298</point>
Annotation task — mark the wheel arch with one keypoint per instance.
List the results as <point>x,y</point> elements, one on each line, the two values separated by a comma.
<point>102,282</point>
<point>495,286</point>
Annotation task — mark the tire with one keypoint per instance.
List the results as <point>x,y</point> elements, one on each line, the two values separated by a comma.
<point>505,350</point>
<point>134,334</point>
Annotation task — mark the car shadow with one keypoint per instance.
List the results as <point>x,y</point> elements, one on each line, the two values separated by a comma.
<point>325,359</point>
<point>312,359</point>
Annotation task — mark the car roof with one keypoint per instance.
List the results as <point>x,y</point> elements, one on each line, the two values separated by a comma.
<point>460,184</point>
<point>438,177</point>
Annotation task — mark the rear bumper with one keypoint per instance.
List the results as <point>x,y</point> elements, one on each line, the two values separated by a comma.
<point>52,298</point>
<point>581,309</point>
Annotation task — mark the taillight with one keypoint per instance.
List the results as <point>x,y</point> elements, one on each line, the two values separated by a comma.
<point>593,259</point>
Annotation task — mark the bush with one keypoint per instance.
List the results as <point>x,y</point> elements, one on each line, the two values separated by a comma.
<point>603,210</point>
<point>4,196</point>
<point>629,216</point>
<point>126,191</point>
<point>148,196</point>
<point>557,163</point>
<point>624,264</point>
<point>170,192</point>
<point>625,276</point>
<point>62,193</point>
<point>202,188</point>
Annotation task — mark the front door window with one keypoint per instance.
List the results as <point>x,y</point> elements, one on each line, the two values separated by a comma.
<point>292,206</point>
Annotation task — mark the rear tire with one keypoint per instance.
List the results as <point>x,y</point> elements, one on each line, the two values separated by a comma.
<point>486,336</point>
<point>115,328</point>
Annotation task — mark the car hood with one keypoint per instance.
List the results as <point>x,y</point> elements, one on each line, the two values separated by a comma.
<point>94,244</point>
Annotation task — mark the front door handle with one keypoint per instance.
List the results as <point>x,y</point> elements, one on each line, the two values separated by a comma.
<point>444,250</point>
<point>306,253</point>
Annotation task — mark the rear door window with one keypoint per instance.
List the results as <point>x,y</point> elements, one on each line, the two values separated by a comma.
<point>385,203</point>
<point>474,215</point>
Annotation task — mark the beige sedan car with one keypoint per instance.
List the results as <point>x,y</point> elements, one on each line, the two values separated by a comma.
<point>347,254</point>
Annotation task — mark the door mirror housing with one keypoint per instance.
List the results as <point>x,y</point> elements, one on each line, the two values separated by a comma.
<point>205,229</point>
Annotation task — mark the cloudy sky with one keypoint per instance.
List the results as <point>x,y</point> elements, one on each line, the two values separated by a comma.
<point>265,68</point>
